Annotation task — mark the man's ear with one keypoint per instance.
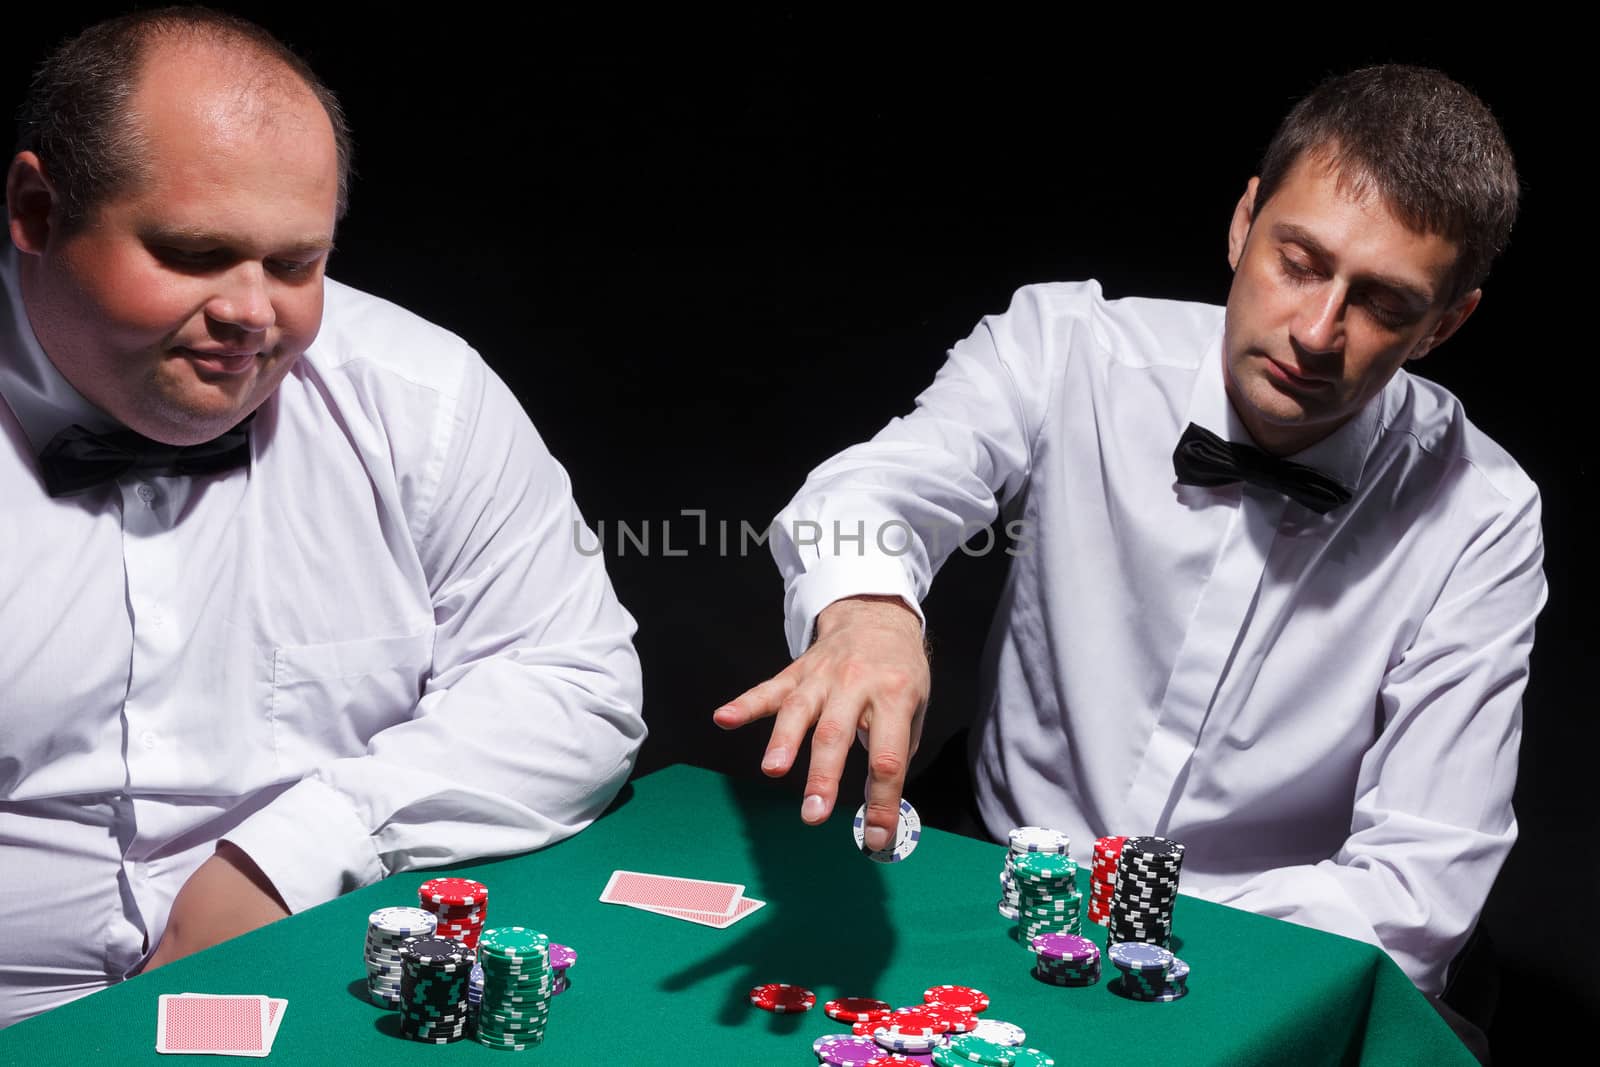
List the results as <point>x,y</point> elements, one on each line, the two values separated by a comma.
<point>30,201</point>
<point>1448,324</point>
<point>1244,212</point>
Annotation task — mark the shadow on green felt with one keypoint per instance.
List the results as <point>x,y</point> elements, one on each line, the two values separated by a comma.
<point>825,925</point>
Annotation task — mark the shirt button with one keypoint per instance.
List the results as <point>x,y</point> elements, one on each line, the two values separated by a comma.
<point>147,493</point>
<point>148,739</point>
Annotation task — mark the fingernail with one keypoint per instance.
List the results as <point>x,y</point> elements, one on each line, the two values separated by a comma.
<point>877,838</point>
<point>811,810</point>
<point>775,760</point>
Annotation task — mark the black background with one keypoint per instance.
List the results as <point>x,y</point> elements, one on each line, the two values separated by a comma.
<point>709,253</point>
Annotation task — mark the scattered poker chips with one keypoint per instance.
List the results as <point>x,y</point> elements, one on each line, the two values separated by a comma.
<point>842,1050</point>
<point>1023,840</point>
<point>782,998</point>
<point>461,905</point>
<point>387,929</point>
<point>1103,877</point>
<point>908,829</point>
<point>998,1032</point>
<point>1066,960</point>
<point>434,974</point>
<point>1146,889</point>
<point>857,1009</point>
<point>964,997</point>
<point>517,986</point>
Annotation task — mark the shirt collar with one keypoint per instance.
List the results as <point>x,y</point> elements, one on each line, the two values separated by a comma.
<point>43,401</point>
<point>1342,455</point>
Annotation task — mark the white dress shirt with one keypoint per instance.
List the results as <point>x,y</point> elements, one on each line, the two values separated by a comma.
<point>1324,709</point>
<point>377,648</point>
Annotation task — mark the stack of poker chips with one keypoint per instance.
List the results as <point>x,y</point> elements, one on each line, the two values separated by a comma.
<point>387,929</point>
<point>1066,959</point>
<point>1047,894</point>
<point>517,987</point>
<point>461,905</point>
<point>1026,839</point>
<point>1103,880</point>
<point>1147,887</point>
<point>433,989</point>
<point>561,957</point>
<point>1149,972</point>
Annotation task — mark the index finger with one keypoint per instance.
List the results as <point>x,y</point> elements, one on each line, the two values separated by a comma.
<point>757,702</point>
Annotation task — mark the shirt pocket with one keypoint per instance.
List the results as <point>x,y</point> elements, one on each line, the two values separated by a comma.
<point>329,699</point>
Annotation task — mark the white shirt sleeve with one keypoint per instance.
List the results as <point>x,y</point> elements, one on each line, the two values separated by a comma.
<point>1432,820</point>
<point>882,517</point>
<point>530,719</point>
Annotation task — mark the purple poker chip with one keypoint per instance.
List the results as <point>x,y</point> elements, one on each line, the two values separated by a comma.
<point>1068,947</point>
<point>1136,956</point>
<point>561,957</point>
<point>843,1050</point>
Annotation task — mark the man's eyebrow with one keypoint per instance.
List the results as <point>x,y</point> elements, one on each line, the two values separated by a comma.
<point>1288,231</point>
<point>313,244</point>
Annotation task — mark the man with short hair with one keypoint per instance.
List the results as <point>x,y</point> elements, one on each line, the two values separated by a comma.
<point>1275,597</point>
<point>291,598</point>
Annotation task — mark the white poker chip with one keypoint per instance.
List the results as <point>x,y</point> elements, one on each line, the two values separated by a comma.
<point>1039,839</point>
<point>908,829</point>
<point>1001,1033</point>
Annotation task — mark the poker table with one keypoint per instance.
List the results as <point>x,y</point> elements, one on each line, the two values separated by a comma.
<point>648,989</point>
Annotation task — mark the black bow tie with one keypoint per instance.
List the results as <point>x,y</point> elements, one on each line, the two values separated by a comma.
<point>76,460</point>
<point>1203,458</point>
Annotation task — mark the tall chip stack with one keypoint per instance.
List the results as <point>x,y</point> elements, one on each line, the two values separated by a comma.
<point>518,983</point>
<point>461,905</point>
<point>434,972</point>
<point>387,930</point>
<point>1146,889</point>
<point>1026,839</point>
<point>1047,895</point>
<point>1103,877</point>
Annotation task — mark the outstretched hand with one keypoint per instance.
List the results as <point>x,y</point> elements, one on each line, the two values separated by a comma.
<point>867,674</point>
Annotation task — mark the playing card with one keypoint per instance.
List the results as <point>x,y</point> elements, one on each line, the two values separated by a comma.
<point>742,907</point>
<point>648,891</point>
<point>275,1009</point>
<point>216,1025</point>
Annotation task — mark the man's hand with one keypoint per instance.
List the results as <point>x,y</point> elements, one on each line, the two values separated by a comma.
<point>866,671</point>
<point>226,896</point>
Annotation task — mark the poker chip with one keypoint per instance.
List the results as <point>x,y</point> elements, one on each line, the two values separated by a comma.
<point>957,996</point>
<point>890,1059</point>
<point>844,1051</point>
<point>460,905</point>
<point>433,990</point>
<point>915,1039</point>
<point>997,1032</point>
<point>782,998</point>
<point>518,982</point>
<point>974,1049</point>
<point>387,929</point>
<point>856,1009</point>
<point>561,957</point>
<point>955,1020</point>
<point>1039,839</point>
<point>1146,888</point>
<point>908,830</point>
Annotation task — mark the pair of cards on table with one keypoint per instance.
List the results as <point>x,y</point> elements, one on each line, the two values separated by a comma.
<point>696,900</point>
<point>216,1025</point>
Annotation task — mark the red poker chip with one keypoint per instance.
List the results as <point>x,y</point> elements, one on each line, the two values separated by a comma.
<point>781,998</point>
<point>889,1059</point>
<point>958,996</point>
<point>866,1027</point>
<point>857,1009</point>
<point>913,1022</point>
<point>956,1020</point>
<point>460,892</point>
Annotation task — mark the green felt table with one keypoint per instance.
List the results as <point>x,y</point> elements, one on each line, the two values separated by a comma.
<point>648,989</point>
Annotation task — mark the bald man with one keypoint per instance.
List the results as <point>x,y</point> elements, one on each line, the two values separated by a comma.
<point>290,595</point>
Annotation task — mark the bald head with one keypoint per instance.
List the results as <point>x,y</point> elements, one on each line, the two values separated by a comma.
<point>86,113</point>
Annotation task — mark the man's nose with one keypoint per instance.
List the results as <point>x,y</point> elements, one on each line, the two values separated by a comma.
<point>243,300</point>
